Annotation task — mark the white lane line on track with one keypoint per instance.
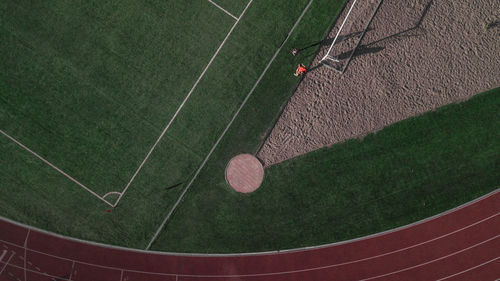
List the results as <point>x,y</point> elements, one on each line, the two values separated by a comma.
<point>284,272</point>
<point>54,167</point>
<point>276,272</point>
<point>72,268</point>
<point>58,278</point>
<point>25,247</point>
<point>4,252</point>
<point>469,269</point>
<point>227,127</point>
<point>243,275</point>
<point>6,263</point>
<point>434,260</point>
<point>224,10</point>
<point>180,106</point>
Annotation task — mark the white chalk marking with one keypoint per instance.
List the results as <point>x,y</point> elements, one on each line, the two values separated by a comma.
<point>434,260</point>
<point>112,192</point>
<point>5,265</point>
<point>469,269</point>
<point>180,107</point>
<point>227,127</point>
<point>224,10</point>
<point>4,252</point>
<point>257,274</point>
<point>54,167</point>
<point>25,250</point>
<point>72,268</point>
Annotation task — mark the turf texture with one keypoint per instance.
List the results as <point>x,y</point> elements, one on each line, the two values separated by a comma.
<point>90,85</point>
<point>411,170</point>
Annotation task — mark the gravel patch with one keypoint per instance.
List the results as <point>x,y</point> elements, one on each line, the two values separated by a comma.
<point>416,56</point>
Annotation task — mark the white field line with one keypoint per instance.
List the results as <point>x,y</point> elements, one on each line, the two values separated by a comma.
<point>227,127</point>
<point>224,10</point>
<point>340,29</point>
<point>434,260</point>
<point>180,107</point>
<point>111,192</point>
<point>6,263</point>
<point>54,167</point>
<point>469,269</point>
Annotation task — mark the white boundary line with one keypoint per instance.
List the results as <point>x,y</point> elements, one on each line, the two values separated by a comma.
<point>469,269</point>
<point>284,251</point>
<point>54,167</point>
<point>224,10</point>
<point>227,127</point>
<point>180,106</point>
<point>159,138</point>
<point>281,272</point>
<point>434,260</point>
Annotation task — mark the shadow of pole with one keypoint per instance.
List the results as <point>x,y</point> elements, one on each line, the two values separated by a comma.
<point>403,34</point>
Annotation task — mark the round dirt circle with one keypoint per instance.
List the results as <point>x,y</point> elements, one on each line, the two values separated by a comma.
<point>244,173</point>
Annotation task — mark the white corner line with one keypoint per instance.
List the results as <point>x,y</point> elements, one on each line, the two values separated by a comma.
<point>54,167</point>
<point>111,192</point>
<point>224,10</point>
<point>227,127</point>
<point>179,108</point>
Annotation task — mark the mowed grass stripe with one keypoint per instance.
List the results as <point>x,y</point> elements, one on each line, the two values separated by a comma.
<point>408,171</point>
<point>97,94</point>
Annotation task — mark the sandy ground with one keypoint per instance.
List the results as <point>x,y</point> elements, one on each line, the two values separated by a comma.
<point>417,55</point>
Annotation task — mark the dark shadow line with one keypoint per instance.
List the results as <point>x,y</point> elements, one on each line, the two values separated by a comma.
<point>362,36</point>
<point>416,27</point>
<point>173,186</point>
<point>274,122</point>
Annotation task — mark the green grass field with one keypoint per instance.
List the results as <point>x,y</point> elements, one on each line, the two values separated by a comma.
<point>90,86</point>
<point>408,171</point>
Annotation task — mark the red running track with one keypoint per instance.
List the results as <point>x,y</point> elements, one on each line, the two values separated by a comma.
<point>462,244</point>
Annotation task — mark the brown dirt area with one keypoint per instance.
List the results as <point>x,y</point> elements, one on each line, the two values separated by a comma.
<point>416,56</point>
